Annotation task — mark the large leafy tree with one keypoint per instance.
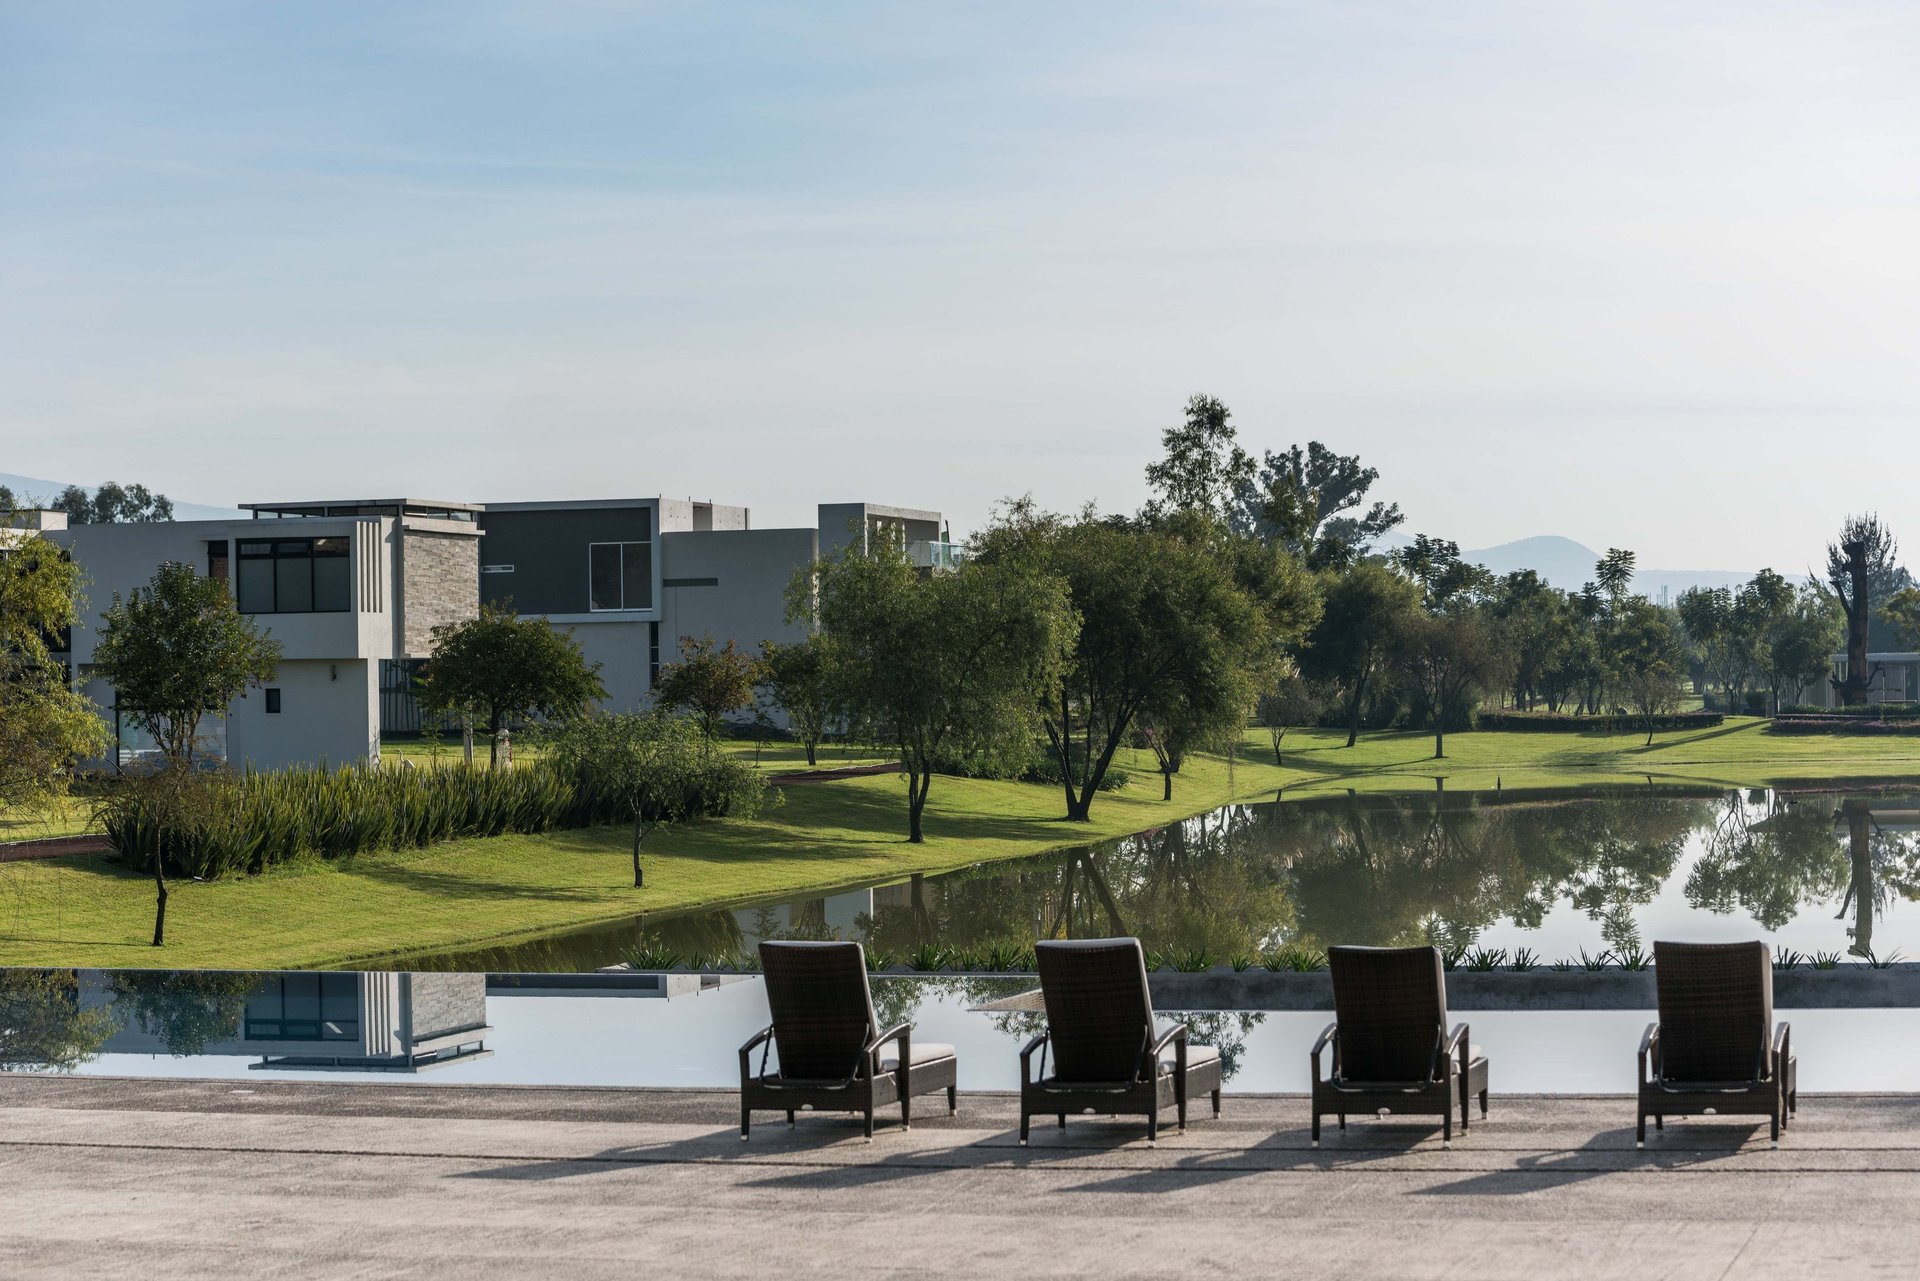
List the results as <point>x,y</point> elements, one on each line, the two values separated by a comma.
<point>1539,628</point>
<point>1313,500</point>
<point>1202,466</point>
<point>794,677</point>
<point>1649,660</point>
<point>711,680</point>
<point>1449,659</point>
<point>1858,562</point>
<point>45,727</point>
<point>1164,627</point>
<point>941,665</point>
<point>1354,642</point>
<point>177,651</point>
<point>499,668</point>
<point>1721,635</point>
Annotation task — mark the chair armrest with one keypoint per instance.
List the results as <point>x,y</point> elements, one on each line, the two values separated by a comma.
<point>902,1033</point>
<point>1459,1045</point>
<point>1178,1032</point>
<point>1329,1035</point>
<point>746,1052</point>
<point>1177,1035</point>
<point>1782,1048</point>
<point>1026,1057</point>
<point>1649,1048</point>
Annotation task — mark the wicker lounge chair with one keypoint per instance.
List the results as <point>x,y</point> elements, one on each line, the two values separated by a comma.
<point>1107,1057</point>
<point>1715,1048</point>
<point>1391,1047</point>
<point>833,1055</point>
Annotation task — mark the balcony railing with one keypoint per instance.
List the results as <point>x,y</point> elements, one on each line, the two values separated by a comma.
<point>934,555</point>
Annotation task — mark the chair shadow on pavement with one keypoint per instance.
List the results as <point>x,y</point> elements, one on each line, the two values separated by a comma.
<point>1609,1152</point>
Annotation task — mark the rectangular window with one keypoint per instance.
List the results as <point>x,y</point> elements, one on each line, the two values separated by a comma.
<point>653,654</point>
<point>217,561</point>
<point>619,576</point>
<point>295,576</point>
<point>305,1007</point>
<point>273,702</point>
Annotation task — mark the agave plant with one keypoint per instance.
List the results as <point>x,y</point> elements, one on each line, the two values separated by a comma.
<point>1872,961</point>
<point>1524,959</point>
<point>1826,960</point>
<point>1482,958</point>
<point>1633,958</point>
<point>1787,959</point>
<point>1599,962</point>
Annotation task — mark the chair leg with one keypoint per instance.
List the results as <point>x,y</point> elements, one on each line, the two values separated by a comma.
<point>867,1117</point>
<point>1181,1111</point>
<point>1774,1121</point>
<point>1026,1118</point>
<point>1640,1132</point>
<point>1446,1127</point>
<point>953,1100</point>
<point>1153,1128</point>
<point>1343,1120</point>
<point>790,1120</point>
<point>746,1121</point>
<point>1316,1126</point>
<point>1063,1120</point>
<point>1483,1103</point>
<point>1659,1120</point>
<point>1216,1105</point>
<point>906,1111</point>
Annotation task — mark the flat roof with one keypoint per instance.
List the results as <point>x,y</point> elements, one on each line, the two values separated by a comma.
<point>421,504</point>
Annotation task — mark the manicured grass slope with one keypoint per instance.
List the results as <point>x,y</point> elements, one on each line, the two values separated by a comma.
<point>87,911</point>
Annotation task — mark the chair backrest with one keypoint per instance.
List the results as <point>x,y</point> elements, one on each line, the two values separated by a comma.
<point>1391,1005</point>
<point>1716,1010</point>
<point>822,1007</point>
<point>1099,1012</point>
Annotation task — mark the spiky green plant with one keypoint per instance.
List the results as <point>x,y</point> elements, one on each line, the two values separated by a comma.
<point>1482,958</point>
<point>1633,958</point>
<point>1599,962</point>
<point>1826,960</point>
<point>1524,959</point>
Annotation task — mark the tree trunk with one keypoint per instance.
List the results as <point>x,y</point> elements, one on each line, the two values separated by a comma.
<point>1166,780</point>
<point>159,901</point>
<point>1439,738</point>
<point>813,748</point>
<point>639,834</point>
<point>918,784</point>
<point>493,739</point>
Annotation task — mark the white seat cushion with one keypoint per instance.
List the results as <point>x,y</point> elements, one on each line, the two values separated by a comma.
<point>923,1052</point>
<point>1197,1055</point>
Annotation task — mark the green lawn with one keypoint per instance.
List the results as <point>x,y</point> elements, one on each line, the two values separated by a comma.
<point>86,911</point>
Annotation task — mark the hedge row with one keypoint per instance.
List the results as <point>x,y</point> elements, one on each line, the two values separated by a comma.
<point>1864,711</point>
<point>216,825</point>
<point>1568,723</point>
<point>1849,725</point>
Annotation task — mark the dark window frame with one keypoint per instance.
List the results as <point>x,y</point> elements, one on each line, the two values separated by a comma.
<point>273,551</point>
<point>620,576</point>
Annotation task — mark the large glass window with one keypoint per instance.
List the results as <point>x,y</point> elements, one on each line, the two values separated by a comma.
<point>619,576</point>
<point>295,576</point>
<point>305,1007</point>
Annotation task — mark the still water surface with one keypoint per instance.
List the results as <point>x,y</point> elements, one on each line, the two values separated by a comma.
<point>460,1029</point>
<point>1558,874</point>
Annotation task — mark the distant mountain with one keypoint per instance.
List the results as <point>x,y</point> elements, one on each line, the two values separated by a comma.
<point>31,489</point>
<point>1569,565</point>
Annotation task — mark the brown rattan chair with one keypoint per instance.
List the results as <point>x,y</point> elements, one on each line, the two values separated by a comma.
<point>1107,1056</point>
<point>1715,1048</point>
<point>833,1055</point>
<point>1391,1047</point>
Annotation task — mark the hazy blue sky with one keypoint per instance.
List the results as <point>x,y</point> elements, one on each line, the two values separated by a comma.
<point>1644,275</point>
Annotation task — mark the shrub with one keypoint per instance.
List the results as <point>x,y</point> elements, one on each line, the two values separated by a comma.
<point>1851,723</point>
<point>251,822</point>
<point>1040,765</point>
<point>1567,723</point>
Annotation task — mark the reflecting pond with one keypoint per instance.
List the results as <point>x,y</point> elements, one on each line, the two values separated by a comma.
<point>1822,872</point>
<point>685,1029</point>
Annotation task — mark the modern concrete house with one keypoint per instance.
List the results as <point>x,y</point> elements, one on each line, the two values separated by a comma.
<point>350,590</point>
<point>1893,677</point>
<point>378,1022</point>
<point>631,577</point>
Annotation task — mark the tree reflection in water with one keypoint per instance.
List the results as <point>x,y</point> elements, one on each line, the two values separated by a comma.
<point>43,1025</point>
<point>1390,869</point>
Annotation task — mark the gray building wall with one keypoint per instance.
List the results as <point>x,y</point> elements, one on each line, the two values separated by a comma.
<point>440,574</point>
<point>442,1003</point>
<point>547,549</point>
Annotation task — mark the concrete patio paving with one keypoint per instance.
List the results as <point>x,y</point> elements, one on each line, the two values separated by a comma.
<point>270,1178</point>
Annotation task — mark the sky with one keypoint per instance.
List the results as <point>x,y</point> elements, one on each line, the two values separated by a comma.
<point>1639,274</point>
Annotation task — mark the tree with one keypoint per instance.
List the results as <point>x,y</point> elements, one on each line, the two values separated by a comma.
<point>500,667</point>
<point>1614,573</point>
<point>177,651</point>
<point>794,677</point>
<point>657,763</point>
<point>1202,467</point>
<point>1290,701</point>
<point>940,664</point>
<point>187,1009</point>
<point>710,680</point>
<point>1865,550</point>
<point>1723,636</point>
<point>1449,659</point>
<point>113,503</point>
<point>1539,629</point>
<point>43,1026</point>
<point>45,727</point>
<point>1444,578</point>
<point>1901,613</point>
<point>1301,498</point>
<point>1353,643</point>
<point>1648,661</point>
<point>1797,647</point>
<point>1162,624</point>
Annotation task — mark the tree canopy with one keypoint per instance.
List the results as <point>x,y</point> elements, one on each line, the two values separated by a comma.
<point>500,667</point>
<point>45,727</point>
<point>177,651</point>
<point>711,680</point>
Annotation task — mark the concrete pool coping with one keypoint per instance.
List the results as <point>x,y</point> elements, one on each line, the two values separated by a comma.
<point>1849,987</point>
